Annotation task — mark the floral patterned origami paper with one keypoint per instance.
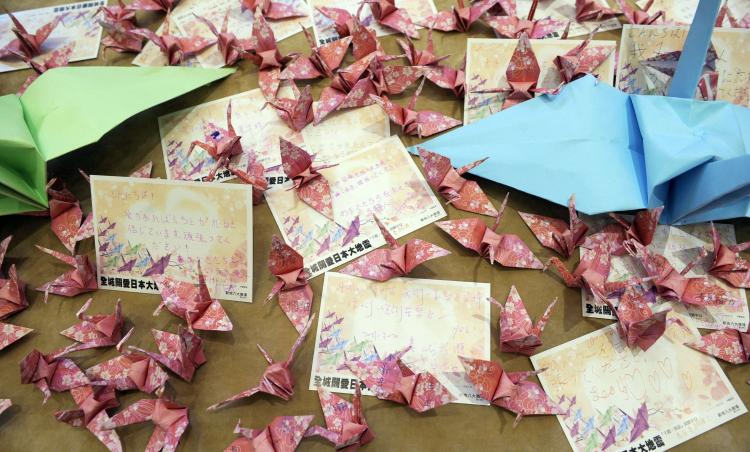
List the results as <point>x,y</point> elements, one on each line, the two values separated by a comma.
<point>640,17</point>
<point>283,434</point>
<point>12,293</point>
<point>391,379</point>
<point>591,273</point>
<point>323,61</point>
<point>312,187</point>
<point>230,46</point>
<point>224,149</point>
<point>97,330</point>
<point>51,373</point>
<point>253,175</point>
<point>555,234</point>
<point>726,263</point>
<point>93,403</point>
<point>295,294</point>
<point>588,10</point>
<point>127,372</point>
<point>28,44</point>
<point>265,54</point>
<point>80,279</point>
<point>512,26</point>
<point>11,333</point>
<point>346,425</point>
<point>121,38</point>
<point>170,421</point>
<point>517,333</point>
<point>177,49</point>
<point>384,264</point>
<point>67,220</point>
<point>581,60</point>
<point>58,58</point>
<point>296,112</point>
<point>277,380</point>
<point>424,57</point>
<point>729,345</point>
<point>613,236</point>
<point>118,14</point>
<point>387,14</point>
<point>271,10</point>
<point>364,41</point>
<point>461,193</point>
<point>459,18</point>
<point>154,5</point>
<point>182,353</point>
<point>509,390</point>
<point>639,324</point>
<point>506,249</point>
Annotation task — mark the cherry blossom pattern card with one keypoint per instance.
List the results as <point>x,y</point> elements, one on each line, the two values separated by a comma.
<point>77,28</point>
<point>259,127</point>
<point>565,11</point>
<point>381,179</point>
<point>617,398</point>
<point>680,245</point>
<point>325,31</point>
<point>681,12</point>
<point>648,61</point>
<point>150,227</point>
<point>488,59</point>
<point>438,319</point>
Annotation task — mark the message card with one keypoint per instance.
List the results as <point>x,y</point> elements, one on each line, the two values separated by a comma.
<point>565,11</point>
<point>647,61</point>
<point>325,32</point>
<point>438,319</point>
<point>682,11</point>
<point>78,29</point>
<point>680,245</point>
<point>380,180</point>
<point>260,129</point>
<point>488,59</point>
<point>147,227</point>
<point>603,384</point>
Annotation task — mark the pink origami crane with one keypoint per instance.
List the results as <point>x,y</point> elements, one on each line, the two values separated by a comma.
<point>118,14</point>
<point>391,379</point>
<point>591,274</point>
<point>283,434</point>
<point>11,333</point>
<point>80,279</point>
<point>506,249</point>
<point>639,324</point>
<point>67,223</point>
<point>269,9</point>
<point>127,372</point>
<point>93,403</point>
<point>613,236</point>
<point>639,17</point>
<point>253,176</point>
<point>51,373</point>
<point>384,264</point>
<point>154,5</point>
<point>726,263</point>
<point>512,26</point>
<point>277,380</point>
<point>639,422</point>
<point>58,58</point>
<point>517,333</point>
<point>589,10</point>
<point>223,150</point>
<point>509,390</point>
<point>193,304</point>
<point>312,187</point>
<point>12,289</point>
<point>556,234</point>
<point>424,57</point>
<point>448,78</point>
<point>730,345</point>
<point>98,330</point>
<point>121,38</point>
<point>323,61</point>
<point>458,18</point>
<point>28,44</point>
<point>170,421</point>
<point>182,353</point>
<point>296,112</point>
<point>423,123</point>
<point>387,14</point>
<point>580,61</point>
<point>346,425</point>
<point>461,193</point>
<point>176,49</point>
<point>265,54</point>
<point>230,46</point>
<point>674,285</point>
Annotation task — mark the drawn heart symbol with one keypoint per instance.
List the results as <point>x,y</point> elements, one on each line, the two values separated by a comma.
<point>665,366</point>
<point>687,380</point>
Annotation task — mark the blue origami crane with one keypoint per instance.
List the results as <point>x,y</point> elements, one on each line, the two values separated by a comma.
<point>616,151</point>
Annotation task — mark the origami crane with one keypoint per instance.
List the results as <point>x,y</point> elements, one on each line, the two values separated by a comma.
<point>182,353</point>
<point>170,421</point>
<point>423,123</point>
<point>512,26</point>
<point>364,39</point>
<point>58,58</point>
<point>12,289</point>
<point>591,273</point>
<point>509,390</point>
<point>589,10</point>
<point>639,422</point>
<point>517,333</point>
<point>121,38</point>
<point>177,49</point>
<point>296,112</point>
<point>447,77</point>
<point>581,60</point>
<point>277,380</point>
<point>158,266</point>
<point>98,330</point>
<point>283,434</point>
<point>67,220</point>
<point>323,60</point>
<point>345,422</point>
<point>11,333</point>
<point>222,150</point>
<point>80,279</point>
<point>730,345</point>
<point>458,18</point>
<point>231,47</point>
<point>271,10</point>
<point>461,193</point>
<point>154,5</point>
<point>638,323</point>
<point>391,379</point>
<point>674,285</point>
<point>265,54</point>
<point>312,187</point>
<point>639,17</point>
<point>193,304</point>
<point>127,372</point>
<point>555,234</point>
<point>506,249</point>
<point>253,176</point>
<point>118,14</point>
<point>384,264</point>
<point>50,373</point>
<point>28,45</point>
<point>93,403</point>
<point>387,14</point>
<point>613,236</point>
<point>726,263</point>
<point>424,57</point>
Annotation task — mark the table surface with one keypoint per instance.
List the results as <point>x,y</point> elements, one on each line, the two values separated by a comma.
<point>233,361</point>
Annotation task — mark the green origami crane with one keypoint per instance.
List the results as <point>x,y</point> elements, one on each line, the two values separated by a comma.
<point>67,108</point>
